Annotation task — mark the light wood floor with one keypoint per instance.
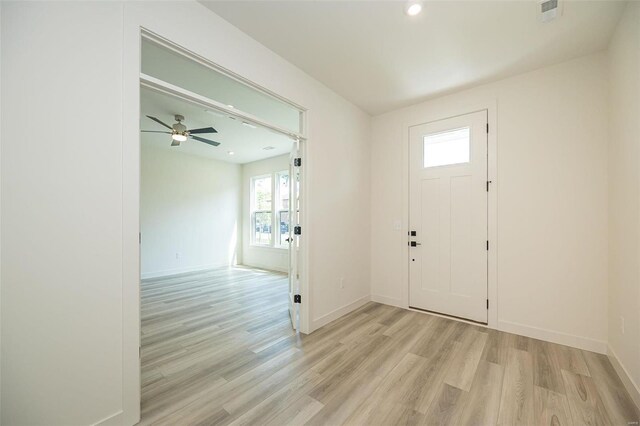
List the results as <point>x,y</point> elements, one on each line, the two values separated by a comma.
<point>218,349</point>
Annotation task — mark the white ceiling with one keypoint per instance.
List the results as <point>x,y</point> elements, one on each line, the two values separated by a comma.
<point>247,143</point>
<point>183,72</point>
<point>373,54</point>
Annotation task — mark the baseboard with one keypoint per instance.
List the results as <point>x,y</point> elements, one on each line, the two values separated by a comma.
<point>114,419</point>
<point>386,300</point>
<point>264,266</point>
<point>629,384</point>
<point>176,271</point>
<point>579,342</point>
<point>526,330</point>
<point>337,313</point>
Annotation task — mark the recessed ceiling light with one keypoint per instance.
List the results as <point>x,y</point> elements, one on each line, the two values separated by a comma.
<point>230,106</point>
<point>268,148</point>
<point>413,9</point>
<point>230,152</point>
<point>248,124</point>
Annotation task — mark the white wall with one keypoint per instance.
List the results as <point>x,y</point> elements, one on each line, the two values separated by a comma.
<point>61,212</point>
<point>69,351</point>
<point>551,199</point>
<point>189,212</point>
<point>275,259</point>
<point>624,195</point>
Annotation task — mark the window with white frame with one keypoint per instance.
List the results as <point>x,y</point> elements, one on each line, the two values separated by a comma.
<point>270,210</point>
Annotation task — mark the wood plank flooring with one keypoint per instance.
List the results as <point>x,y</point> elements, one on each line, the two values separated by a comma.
<point>217,348</point>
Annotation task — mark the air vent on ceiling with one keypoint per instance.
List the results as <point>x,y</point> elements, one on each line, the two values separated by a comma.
<point>269,148</point>
<point>549,10</point>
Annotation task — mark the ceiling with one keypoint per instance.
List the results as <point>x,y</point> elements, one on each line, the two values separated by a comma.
<point>179,70</point>
<point>247,143</point>
<point>376,56</point>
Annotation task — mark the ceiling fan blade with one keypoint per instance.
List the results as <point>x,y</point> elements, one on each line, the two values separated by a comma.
<point>203,130</point>
<point>155,131</point>
<point>214,143</point>
<point>160,122</point>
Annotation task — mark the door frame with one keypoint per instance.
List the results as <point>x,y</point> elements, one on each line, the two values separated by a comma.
<point>443,112</point>
<point>135,24</point>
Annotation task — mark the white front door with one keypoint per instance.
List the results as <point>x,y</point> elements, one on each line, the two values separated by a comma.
<point>448,216</point>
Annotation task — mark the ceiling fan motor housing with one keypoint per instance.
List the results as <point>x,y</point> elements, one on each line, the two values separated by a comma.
<point>180,128</point>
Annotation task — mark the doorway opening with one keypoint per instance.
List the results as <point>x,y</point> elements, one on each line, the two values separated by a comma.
<point>221,213</point>
<point>448,217</point>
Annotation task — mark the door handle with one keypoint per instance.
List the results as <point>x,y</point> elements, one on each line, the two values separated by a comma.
<point>288,239</point>
<point>414,244</point>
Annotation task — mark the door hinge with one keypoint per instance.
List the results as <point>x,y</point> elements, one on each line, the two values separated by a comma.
<point>487,128</point>
<point>297,162</point>
<point>297,230</point>
<point>487,303</point>
<point>139,237</point>
<point>139,352</point>
<point>487,244</point>
<point>488,182</point>
<point>297,298</point>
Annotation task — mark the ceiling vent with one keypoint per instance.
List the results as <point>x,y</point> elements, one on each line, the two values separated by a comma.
<point>549,10</point>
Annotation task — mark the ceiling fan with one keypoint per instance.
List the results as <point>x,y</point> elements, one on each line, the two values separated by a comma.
<point>179,132</point>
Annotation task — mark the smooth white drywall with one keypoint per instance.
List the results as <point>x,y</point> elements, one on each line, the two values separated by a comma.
<point>67,243</point>
<point>61,212</point>
<point>624,193</point>
<point>271,258</point>
<point>0,221</point>
<point>337,153</point>
<point>189,212</point>
<point>551,191</point>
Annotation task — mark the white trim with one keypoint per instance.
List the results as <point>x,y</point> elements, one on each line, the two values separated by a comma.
<point>136,20</point>
<point>491,106</point>
<point>492,216</point>
<point>164,87</point>
<point>337,313</point>
<point>115,419</point>
<point>167,44</point>
<point>305,284</point>
<point>629,384</point>
<point>585,343</point>
<point>277,249</point>
<point>131,381</point>
<point>552,336</point>
<point>386,300</point>
<point>183,270</point>
<point>265,266</point>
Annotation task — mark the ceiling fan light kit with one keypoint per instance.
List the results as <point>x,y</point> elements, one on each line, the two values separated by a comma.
<point>179,132</point>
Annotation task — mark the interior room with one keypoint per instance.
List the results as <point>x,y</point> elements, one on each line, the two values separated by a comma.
<point>214,244</point>
<point>321,213</point>
<point>200,205</point>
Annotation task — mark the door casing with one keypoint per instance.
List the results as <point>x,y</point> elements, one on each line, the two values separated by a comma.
<point>135,24</point>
